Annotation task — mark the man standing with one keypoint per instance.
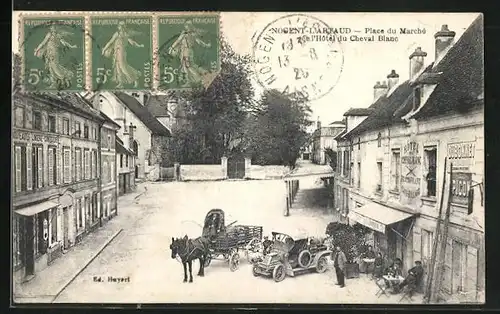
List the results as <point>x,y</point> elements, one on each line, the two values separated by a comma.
<point>339,261</point>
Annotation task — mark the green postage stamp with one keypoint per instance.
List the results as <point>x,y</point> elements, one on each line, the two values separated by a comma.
<point>188,50</point>
<point>53,51</point>
<point>122,52</point>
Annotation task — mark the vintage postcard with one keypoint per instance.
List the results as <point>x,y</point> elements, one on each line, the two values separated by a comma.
<point>237,157</point>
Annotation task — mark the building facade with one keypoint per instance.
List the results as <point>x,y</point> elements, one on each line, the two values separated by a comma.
<point>55,177</point>
<point>109,168</point>
<point>324,138</point>
<point>140,131</point>
<point>420,150</point>
<point>125,160</point>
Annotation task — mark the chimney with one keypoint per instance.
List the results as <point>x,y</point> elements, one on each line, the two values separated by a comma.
<point>392,79</point>
<point>131,129</point>
<point>444,39</point>
<point>379,89</point>
<point>416,62</point>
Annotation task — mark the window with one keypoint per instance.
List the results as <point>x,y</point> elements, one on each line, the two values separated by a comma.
<point>109,142</point>
<point>20,168</point>
<point>126,160</point>
<point>379,177</point>
<point>78,129</point>
<point>395,169</point>
<point>86,131</point>
<point>359,143</point>
<point>88,216</point>
<point>359,175</point>
<point>417,95</point>
<point>65,126</point>
<point>121,160</point>
<point>37,120</point>
<point>52,159</point>
<point>379,140</point>
<point>94,164</point>
<point>67,165</point>
<point>37,163</point>
<point>79,213</point>
<point>87,164</point>
<point>111,171</point>
<point>430,160</point>
<point>19,117</point>
<point>94,207</point>
<point>78,164</point>
<point>52,124</point>
<point>53,226</point>
<point>345,165</point>
<point>105,171</point>
<point>135,147</point>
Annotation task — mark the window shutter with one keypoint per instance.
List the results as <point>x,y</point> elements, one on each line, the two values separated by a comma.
<point>40,166</point>
<point>18,168</point>
<point>29,173</point>
<point>51,165</point>
<point>59,172</point>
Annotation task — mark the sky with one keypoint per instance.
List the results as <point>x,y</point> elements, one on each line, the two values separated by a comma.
<point>364,63</point>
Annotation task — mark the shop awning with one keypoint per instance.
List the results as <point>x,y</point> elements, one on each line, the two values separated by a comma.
<point>377,217</point>
<point>37,208</point>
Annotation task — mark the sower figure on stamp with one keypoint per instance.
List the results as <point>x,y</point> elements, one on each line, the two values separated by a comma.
<point>339,261</point>
<point>50,49</point>
<point>183,47</point>
<point>116,49</point>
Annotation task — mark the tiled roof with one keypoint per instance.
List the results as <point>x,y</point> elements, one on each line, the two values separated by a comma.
<point>109,120</point>
<point>72,100</point>
<point>143,114</point>
<point>158,105</point>
<point>120,149</point>
<point>383,109</point>
<point>338,122</point>
<point>358,112</point>
<point>461,83</point>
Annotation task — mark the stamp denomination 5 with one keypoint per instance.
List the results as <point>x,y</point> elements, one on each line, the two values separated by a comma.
<point>290,57</point>
<point>54,53</point>
<point>122,52</point>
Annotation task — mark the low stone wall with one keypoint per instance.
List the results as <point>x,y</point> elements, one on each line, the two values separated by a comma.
<point>266,172</point>
<point>202,172</point>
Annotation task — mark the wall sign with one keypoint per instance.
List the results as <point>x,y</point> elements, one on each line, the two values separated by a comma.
<point>36,137</point>
<point>411,161</point>
<point>461,155</point>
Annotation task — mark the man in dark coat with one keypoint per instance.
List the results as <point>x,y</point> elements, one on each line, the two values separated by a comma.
<point>339,262</point>
<point>413,279</point>
<point>267,245</point>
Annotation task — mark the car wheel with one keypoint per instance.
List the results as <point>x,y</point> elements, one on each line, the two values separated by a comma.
<point>254,271</point>
<point>279,273</point>
<point>322,265</point>
<point>305,259</point>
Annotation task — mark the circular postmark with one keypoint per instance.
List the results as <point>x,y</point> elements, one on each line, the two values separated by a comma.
<point>298,54</point>
<point>53,53</point>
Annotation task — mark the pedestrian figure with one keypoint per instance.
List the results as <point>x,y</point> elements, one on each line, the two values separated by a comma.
<point>415,274</point>
<point>339,262</point>
<point>379,266</point>
<point>267,245</point>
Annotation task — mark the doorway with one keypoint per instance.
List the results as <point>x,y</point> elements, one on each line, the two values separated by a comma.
<point>66,228</point>
<point>29,249</point>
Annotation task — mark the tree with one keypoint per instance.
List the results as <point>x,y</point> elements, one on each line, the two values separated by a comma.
<point>215,115</point>
<point>276,133</point>
<point>350,239</point>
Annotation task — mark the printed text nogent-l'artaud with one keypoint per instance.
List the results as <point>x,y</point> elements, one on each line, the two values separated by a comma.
<point>346,30</point>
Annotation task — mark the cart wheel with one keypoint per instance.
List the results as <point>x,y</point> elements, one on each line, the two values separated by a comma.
<point>234,261</point>
<point>322,265</point>
<point>279,273</point>
<point>254,271</point>
<point>208,259</point>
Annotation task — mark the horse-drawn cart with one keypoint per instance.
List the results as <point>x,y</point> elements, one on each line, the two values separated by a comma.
<point>226,242</point>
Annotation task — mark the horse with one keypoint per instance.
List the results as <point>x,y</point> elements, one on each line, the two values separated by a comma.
<point>190,250</point>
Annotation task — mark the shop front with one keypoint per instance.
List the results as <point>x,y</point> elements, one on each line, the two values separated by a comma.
<point>391,231</point>
<point>32,237</point>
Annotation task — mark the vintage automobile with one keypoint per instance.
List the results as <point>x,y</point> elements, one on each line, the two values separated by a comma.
<point>291,257</point>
